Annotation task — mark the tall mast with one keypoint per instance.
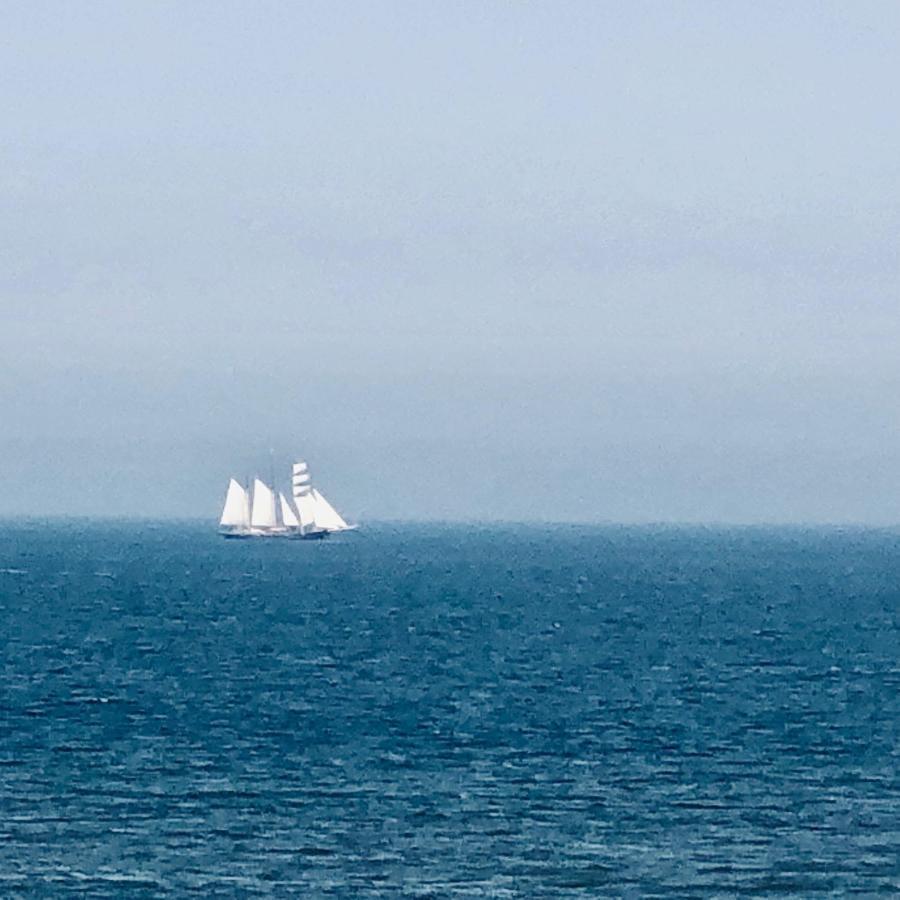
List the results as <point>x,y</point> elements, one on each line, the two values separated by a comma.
<point>279,519</point>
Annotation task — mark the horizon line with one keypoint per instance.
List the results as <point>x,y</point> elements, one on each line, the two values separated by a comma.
<point>114,518</point>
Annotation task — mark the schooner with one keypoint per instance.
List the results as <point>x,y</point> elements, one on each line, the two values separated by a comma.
<point>306,515</point>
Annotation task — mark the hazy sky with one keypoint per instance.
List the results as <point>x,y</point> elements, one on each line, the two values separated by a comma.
<point>564,260</point>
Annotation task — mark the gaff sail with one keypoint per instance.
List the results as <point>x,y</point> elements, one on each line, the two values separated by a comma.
<point>236,513</point>
<point>263,515</point>
<point>301,486</point>
<point>288,516</point>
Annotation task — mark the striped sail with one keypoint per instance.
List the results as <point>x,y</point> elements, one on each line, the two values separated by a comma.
<point>300,479</point>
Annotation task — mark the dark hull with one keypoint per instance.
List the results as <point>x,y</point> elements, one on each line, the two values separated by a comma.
<point>243,536</point>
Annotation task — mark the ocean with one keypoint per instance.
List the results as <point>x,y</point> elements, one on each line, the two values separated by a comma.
<point>449,711</point>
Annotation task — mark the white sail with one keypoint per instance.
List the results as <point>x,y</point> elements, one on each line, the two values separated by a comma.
<point>303,512</point>
<point>301,488</point>
<point>288,516</point>
<point>263,515</point>
<point>300,478</point>
<point>306,507</point>
<point>236,513</point>
<point>327,517</point>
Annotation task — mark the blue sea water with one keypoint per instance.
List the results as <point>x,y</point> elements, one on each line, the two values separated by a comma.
<point>449,711</point>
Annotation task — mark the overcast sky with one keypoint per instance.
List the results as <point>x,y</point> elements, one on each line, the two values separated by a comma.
<point>571,261</point>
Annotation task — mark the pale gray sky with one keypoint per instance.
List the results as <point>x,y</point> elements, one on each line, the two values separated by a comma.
<point>594,261</point>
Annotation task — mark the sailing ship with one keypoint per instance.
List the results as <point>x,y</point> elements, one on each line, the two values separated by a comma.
<point>307,514</point>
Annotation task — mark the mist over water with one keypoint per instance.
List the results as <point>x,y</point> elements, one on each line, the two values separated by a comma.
<point>639,259</point>
<point>450,711</point>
